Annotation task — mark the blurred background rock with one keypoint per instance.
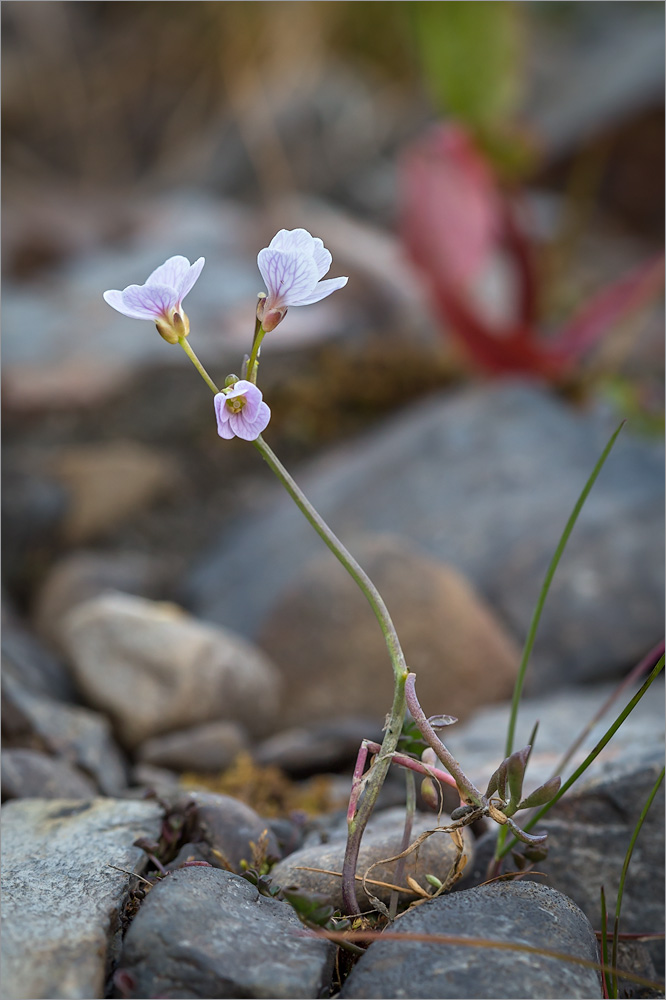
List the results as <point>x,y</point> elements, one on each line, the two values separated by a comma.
<point>136,131</point>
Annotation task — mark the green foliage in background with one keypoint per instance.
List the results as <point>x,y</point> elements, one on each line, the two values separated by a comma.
<point>472,60</point>
<point>471,56</point>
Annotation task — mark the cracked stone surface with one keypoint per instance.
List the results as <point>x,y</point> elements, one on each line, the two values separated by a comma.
<point>61,903</point>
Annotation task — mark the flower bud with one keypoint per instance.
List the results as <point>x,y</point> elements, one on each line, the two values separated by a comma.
<point>429,793</point>
<point>429,757</point>
<point>230,380</point>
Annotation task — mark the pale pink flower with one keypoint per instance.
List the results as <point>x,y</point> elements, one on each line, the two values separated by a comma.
<point>241,412</point>
<point>292,266</point>
<point>160,299</point>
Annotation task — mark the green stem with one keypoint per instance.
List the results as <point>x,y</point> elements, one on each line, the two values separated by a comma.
<point>341,553</point>
<point>197,364</point>
<point>375,777</point>
<point>252,365</point>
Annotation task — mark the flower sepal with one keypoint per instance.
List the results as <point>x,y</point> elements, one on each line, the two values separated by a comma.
<point>174,327</point>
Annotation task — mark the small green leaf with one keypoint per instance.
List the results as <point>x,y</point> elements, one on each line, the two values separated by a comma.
<point>542,794</point>
<point>515,767</point>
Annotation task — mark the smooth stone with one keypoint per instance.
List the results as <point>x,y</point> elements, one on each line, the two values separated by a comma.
<point>82,575</point>
<point>150,781</point>
<point>35,775</point>
<point>589,831</point>
<point>203,932</point>
<point>26,660</point>
<point>155,669</point>
<point>382,839</point>
<point>76,734</point>
<point>109,482</point>
<point>520,913</point>
<point>228,826</point>
<point>311,749</point>
<point>484,480</point>
<point>450,637</point>
<point>61,902</point>
<point>210,746</point>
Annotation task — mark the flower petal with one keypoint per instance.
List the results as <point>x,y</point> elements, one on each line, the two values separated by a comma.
<point>114,298</point>
<point>222,415</point>
<point>171,273</point>
<point>293,241</point>
<point>191,277</point>
<point>148,301</point>
<point>288,276</point>
<point>320,291</point>
<point>249,428</point>
<point>322,258</point>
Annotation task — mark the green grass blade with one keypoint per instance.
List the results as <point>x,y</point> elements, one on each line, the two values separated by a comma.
<point>604,943</point>
<point>536,617</point>
<point>625,869</point>
<point>608,735</point>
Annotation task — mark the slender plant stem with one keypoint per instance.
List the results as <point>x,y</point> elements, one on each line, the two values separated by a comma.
<point>253,363</point>
<point>410,808</point>
<point>468,791</point>
<point>197,364</point>
<point>375,778</point>
<point>342,554</point>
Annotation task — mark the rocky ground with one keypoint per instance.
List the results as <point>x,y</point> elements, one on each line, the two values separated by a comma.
<point>188,673</point>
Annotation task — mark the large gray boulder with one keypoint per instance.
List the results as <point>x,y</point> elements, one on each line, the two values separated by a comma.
<point>484,480</point>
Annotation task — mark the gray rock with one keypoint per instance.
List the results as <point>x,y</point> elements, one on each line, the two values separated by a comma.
<point>589,832</point>
<point>324,746</point>
<point>382,839</point>
<point>149,779</point>
<point>227,826</point>
<point>30,774</point>
<point>211,746</point>
<point>27,661</point>
<point>77,735</point>
<point>154,669</point>
<point>203,932</point>
<point>81,575</point>
<point>450,637</point>
<point>61,903</point>
<point>485,481</point>
<point>520,913</point>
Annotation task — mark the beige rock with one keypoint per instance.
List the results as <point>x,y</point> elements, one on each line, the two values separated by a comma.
<point>153,668</point>
<point>84,574</point>
<point>381,840</point>
<point>326,641</point>
<point>110,482</point>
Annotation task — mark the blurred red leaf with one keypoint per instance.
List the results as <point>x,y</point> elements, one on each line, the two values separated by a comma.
<point>455,221</point>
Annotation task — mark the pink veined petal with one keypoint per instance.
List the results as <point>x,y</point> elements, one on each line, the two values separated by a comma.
<point>171,273</point>
<point>249,428</point>
<point>114,298</point>
<point>222,415</point>
<point>190,279</point>
<point>322,258</point>
<point>288,276</point>
<point>149,301</point>
<point>293,241</point>
<point>320,291</point>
